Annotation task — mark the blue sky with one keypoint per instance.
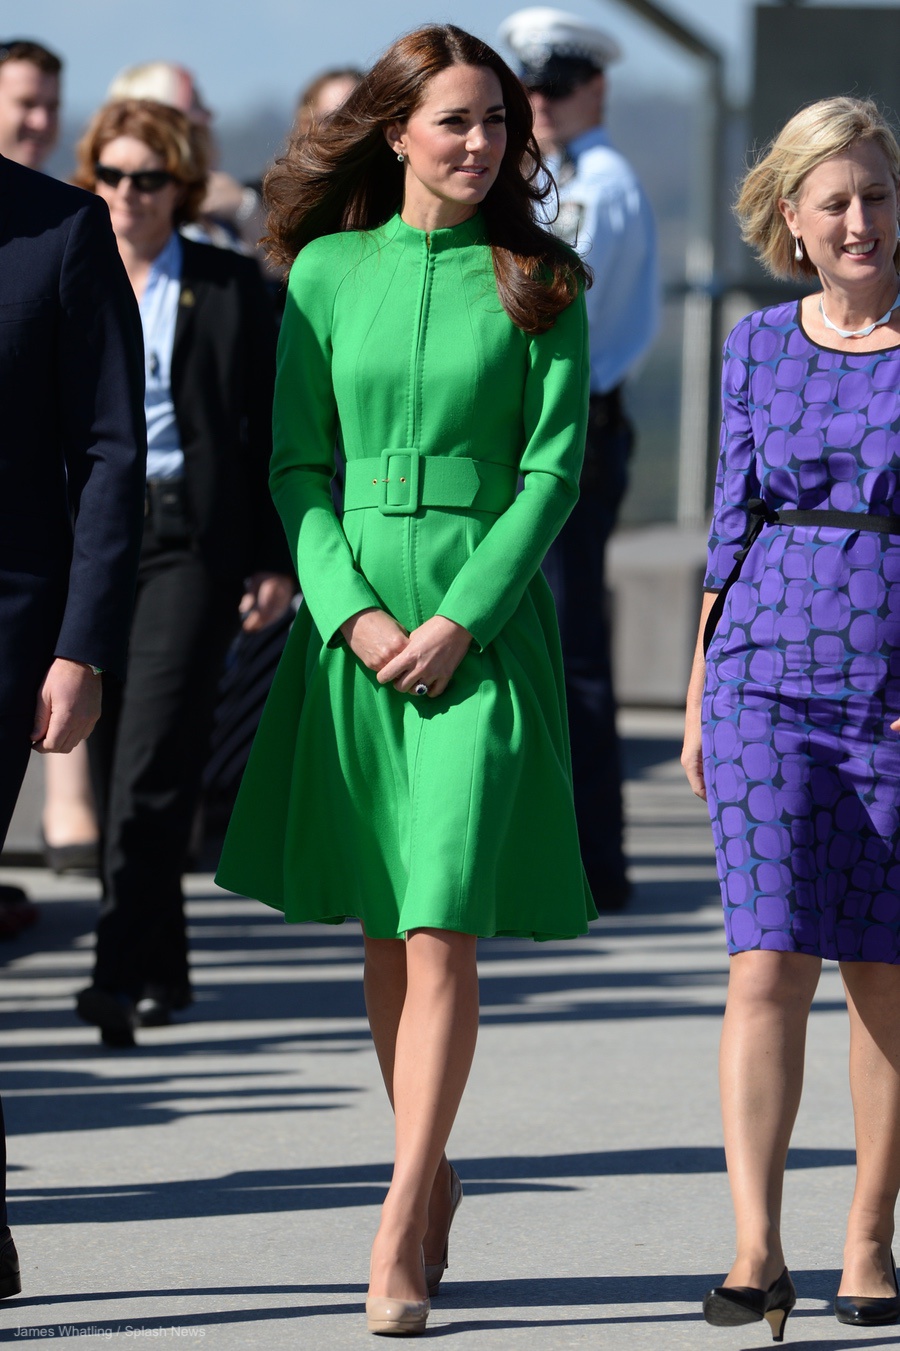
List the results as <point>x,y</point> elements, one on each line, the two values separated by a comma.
<point>261,54</point>
<point>246,56</point>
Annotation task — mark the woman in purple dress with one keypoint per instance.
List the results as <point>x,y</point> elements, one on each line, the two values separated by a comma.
<point>793,716</point>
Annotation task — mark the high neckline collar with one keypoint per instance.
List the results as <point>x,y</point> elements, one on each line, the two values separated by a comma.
<point>471,231</point>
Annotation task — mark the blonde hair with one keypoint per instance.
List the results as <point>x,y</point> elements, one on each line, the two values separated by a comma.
<point>815,134</point>
<point>159,81</point>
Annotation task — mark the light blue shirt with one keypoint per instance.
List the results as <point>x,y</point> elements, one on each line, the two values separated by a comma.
<point>605,215</point>
<point>159,311</point>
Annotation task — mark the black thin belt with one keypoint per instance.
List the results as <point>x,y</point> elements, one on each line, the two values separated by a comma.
<point>764,515</point>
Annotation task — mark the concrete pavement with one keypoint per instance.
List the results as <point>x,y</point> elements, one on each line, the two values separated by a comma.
<point>219,1186</point>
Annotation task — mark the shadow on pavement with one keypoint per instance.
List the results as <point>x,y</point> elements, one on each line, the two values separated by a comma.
<point>596,1293</point>
<point>271,1191</point>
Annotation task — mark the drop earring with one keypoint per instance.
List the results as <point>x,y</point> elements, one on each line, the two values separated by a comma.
<point>798,249</point>
<point>400,156</point>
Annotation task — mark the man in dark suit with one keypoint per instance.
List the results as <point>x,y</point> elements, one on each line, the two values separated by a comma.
<point>29,125</point>
<point>71,484</point>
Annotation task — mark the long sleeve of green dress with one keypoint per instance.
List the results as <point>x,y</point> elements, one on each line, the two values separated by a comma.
<point>454,812</point>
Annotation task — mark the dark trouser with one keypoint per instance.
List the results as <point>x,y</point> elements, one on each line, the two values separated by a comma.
<point>575,567</point>
<point>4,1222</point>
<point>31,606</point>
<point>15,749</point>
<point>147,757</point>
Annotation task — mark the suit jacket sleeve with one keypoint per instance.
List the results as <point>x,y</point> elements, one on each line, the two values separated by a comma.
<point>104,440</point>
<point>491,583</point>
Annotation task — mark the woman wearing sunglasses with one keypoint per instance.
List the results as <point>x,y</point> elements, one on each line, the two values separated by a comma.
<point>212,547</point>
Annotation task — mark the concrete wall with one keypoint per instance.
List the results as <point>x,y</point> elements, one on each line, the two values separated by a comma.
<point>655,577</point>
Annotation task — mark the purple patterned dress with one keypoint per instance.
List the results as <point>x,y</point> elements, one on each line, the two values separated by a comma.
<point>803,673</point>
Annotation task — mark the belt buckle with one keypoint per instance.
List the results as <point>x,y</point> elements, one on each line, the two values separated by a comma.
<point>400,487</point>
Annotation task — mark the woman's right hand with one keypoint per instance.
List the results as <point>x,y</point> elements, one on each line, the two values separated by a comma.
<point>374,636</point>
<point>692,752</point>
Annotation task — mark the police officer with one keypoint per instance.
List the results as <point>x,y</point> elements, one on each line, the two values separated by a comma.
<point>604,213</point>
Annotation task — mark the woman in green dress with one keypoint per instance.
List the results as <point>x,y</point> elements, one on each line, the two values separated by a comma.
<point>412,765</point>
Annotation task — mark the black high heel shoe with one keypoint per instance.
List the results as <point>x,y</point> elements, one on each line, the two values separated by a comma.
<point>868,1311</point>
<point>728,1306</point>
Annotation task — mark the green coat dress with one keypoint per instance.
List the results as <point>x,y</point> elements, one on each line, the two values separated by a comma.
<point>455,812</point>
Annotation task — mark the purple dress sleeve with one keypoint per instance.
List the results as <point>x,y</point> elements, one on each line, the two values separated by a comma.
<point>736,477</point>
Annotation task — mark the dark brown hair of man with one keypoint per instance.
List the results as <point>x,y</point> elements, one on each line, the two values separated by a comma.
<point>23,49</point>
<point>309,95</point>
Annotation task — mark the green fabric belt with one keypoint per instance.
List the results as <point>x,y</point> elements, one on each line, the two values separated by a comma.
<point>400,482</point>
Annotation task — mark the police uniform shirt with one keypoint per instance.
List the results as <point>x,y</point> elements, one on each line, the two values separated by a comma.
<point>605,215</point>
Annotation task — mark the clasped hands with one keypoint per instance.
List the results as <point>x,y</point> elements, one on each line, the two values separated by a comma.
<point>428,656</point>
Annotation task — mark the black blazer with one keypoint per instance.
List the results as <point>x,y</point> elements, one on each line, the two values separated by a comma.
<point>223,376</point>
<point>72,436</point>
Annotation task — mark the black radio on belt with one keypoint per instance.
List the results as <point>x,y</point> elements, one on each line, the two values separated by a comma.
<point>167,510</point>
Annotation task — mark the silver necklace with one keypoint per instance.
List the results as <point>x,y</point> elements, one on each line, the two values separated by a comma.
<point>857,332</point>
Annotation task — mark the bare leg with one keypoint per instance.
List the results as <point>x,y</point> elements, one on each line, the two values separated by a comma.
<point>761,1077</point>
<point>873,1001</point>
<point>433,1053</point>
<point>384,984</point>
<point>69,815</point>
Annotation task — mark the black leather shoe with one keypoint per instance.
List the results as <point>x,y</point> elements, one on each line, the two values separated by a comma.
<point>868,1311</point>
<point>10,1279</point>
<point>113,1013</point>
<point>728,1306</point>
<point>158,1002</point>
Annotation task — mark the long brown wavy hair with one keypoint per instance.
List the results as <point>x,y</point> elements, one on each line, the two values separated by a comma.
<point>343,176</point>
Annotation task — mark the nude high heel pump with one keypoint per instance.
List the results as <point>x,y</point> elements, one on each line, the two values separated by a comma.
<point>388,1317</point>
<point>434,1271</point>
<point>728,1306</point>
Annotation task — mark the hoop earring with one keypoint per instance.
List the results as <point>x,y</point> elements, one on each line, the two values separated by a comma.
<point>798,249</point>
<point>400,157</point>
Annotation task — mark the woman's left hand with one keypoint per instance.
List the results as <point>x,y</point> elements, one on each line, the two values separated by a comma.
<point>895,726</point>
<point>431,655</point>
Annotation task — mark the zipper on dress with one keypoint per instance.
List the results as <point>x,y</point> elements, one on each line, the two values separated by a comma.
<point>411,534</point>
<point>417,350</point>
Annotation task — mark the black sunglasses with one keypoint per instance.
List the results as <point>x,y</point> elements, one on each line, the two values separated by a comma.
<point>145,180</point>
